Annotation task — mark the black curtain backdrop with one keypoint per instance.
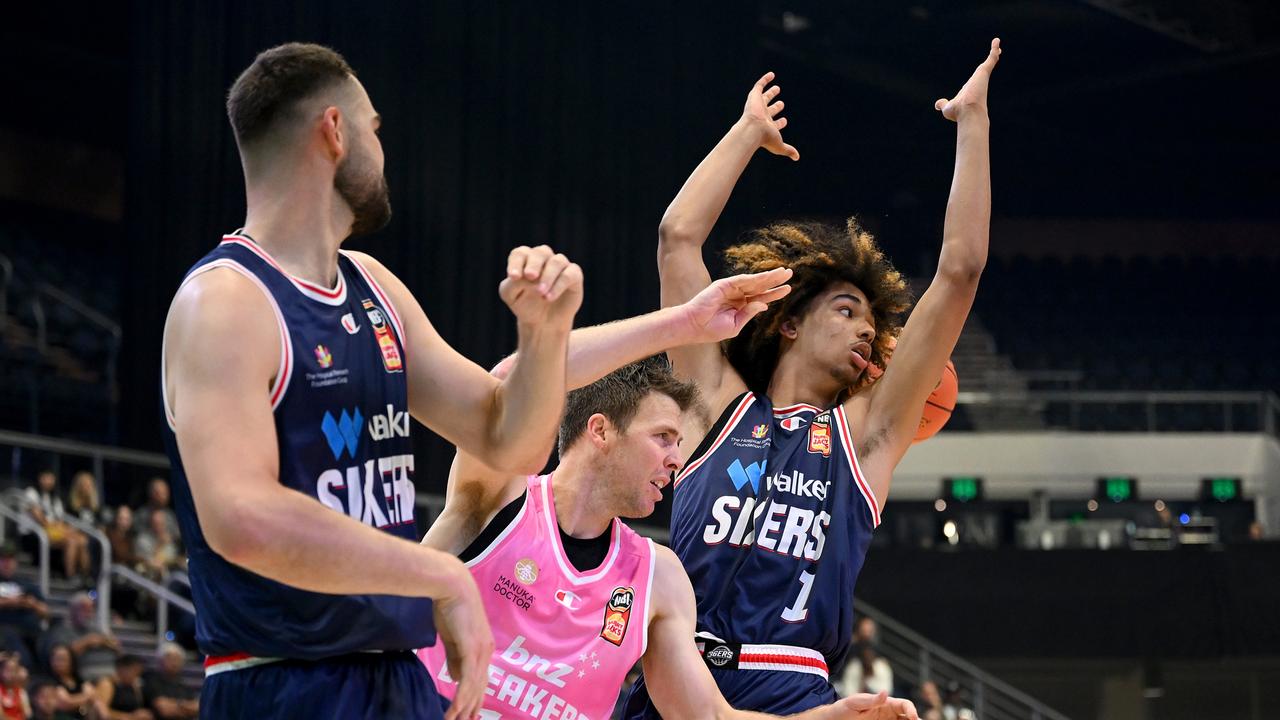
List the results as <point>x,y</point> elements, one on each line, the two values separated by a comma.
<point>508,124</point>
<point>504,124</point>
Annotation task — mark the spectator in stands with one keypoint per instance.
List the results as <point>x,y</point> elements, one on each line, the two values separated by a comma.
<point>158,548</point>
<point>45,505</point>
<point>124,597</point>
<point>168,696</point>
<point>953,705</point>
<point>865,634</point>
<point>122,696</point>
<point>15,704</point>
<point>866,673</point>
<point>83,498</point>
<point>22,608</point>
<point>158,502</point>
<point>930,706</point>
<point>44,705</point>
<point>94,647</point>
<point>72,693</point>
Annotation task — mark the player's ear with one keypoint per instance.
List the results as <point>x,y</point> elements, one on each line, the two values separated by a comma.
<point>334,132</point>
<point>788,329</point>
<point>598,428</point>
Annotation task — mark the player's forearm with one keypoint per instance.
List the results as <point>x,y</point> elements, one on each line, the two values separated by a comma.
<point>599,350</point>
<point>968,221</point>
<point>289,537</point>
<point>698,205</point>
<point>529,401</point>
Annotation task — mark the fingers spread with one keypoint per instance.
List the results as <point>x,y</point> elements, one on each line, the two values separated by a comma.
<point>772,93</point>
<point>764,80</point>
<point>792,153</point>
<point>776,108</point>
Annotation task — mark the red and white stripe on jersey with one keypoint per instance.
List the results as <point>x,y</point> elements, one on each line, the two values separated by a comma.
<point>285,368</point>
<point>846,441</point>
<point>236,661</point>
<point>738,412</point>
<point>793,409</point>
<point>382,295</point>
<point>787,658</point>
<point>335,296</point>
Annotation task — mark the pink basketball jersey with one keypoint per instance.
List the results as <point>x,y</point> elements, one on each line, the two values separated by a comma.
<point>563,640</point>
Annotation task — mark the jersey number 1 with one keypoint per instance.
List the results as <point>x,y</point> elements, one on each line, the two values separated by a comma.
<point>798,612</point>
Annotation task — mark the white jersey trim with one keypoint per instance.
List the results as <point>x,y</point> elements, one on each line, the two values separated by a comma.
<point>851,456</point>
<point>648,595</point>
<point>382,296</point>
<point>238,665</point>
<point>738,413</point>
<point>283,371</point>
<point>557,548</point>
<point>329,296</point>
<point>510,528</point>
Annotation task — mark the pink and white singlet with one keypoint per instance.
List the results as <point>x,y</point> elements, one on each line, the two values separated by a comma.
<point>563,640</point>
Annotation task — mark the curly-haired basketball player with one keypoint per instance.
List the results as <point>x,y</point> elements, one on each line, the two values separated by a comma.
<point>774,510</point>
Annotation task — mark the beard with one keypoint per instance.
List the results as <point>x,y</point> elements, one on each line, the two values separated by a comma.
<point>365,191</point>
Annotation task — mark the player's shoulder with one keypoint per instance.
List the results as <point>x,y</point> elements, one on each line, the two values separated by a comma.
<point>222,308</point>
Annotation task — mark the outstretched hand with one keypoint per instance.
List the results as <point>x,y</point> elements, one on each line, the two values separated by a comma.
<point>973,96</point>
<point>722,308</point>
<point>865,706</point>
<point>764,116</point>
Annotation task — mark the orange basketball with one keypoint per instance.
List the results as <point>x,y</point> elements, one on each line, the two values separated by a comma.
<point>937,409</point>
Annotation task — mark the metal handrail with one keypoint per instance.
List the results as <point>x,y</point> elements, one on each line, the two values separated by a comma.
<point>164,598</point>
<point>104,566</point>
<point>97,453</point>
<point>928,650</point>
<point>88,313</point>
<point>28,524</point>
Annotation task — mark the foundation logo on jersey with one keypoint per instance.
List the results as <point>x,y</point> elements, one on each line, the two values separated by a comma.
<point>749,475</point>
<point>324,357</point>
<point>617,614</point>
<point>349,324</point>
<point>390,424</point>
<point>820,439</point>
<point>759,431</point>
<point>568,599</point>
<point>526,571</point>
<point>793,423</point>
<point>386,344</point>
<point>343,432</point>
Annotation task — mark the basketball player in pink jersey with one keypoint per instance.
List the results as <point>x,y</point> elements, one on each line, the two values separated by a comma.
<point>575,597</point>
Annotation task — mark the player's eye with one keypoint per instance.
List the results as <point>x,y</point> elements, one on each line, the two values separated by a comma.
<point>846,311</point>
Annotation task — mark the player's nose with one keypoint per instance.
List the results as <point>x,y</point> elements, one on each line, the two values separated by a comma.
<point>867,334</point>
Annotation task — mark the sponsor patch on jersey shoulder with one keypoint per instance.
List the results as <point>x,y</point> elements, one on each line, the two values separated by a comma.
<point>382,333</point>
<point>617,614</point>
<point>820,438</point>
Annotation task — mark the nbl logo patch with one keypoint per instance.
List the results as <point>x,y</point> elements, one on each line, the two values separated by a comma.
<point>617,614</point>
<point>820,439</point>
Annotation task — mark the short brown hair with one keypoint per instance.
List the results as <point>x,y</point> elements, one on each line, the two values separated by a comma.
<point>819,254</point>
<point>618,395</point>
<point>276,82</point>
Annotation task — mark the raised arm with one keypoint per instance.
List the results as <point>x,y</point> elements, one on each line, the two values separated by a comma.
<point>694,211</point>
<point>221,351</point>
<point>679,682</point>
<point>477,491</point>
<point>511,423</point>
<point>935,324</point>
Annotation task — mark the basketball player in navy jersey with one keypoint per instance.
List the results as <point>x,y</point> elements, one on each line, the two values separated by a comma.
<point>774,510</point>
<point>290,371</point>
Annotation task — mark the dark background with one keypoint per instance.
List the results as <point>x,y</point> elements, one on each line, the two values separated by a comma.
<point>573,124</point>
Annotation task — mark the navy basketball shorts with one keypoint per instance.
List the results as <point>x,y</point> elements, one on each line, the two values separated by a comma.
<point>371,686</point>
<point>770,691</point>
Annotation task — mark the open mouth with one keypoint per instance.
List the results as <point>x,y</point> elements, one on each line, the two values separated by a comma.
<point>859,355</point>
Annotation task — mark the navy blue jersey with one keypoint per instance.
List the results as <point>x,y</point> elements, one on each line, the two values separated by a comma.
<point>772,518</point>
<point>342,425</point>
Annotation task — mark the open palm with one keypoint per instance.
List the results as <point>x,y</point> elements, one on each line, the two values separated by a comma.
<point>721,310</point>
<point>762,112</point>
<point>973,96</point>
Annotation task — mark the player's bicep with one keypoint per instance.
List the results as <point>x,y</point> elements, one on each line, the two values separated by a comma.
<point>682,274</point>
<point>448,393</point>
<point>923,348</point>
<point>678,680</point>
<point>222,349</point>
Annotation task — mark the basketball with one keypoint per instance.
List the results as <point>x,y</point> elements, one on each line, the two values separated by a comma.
<point>937,409</point>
